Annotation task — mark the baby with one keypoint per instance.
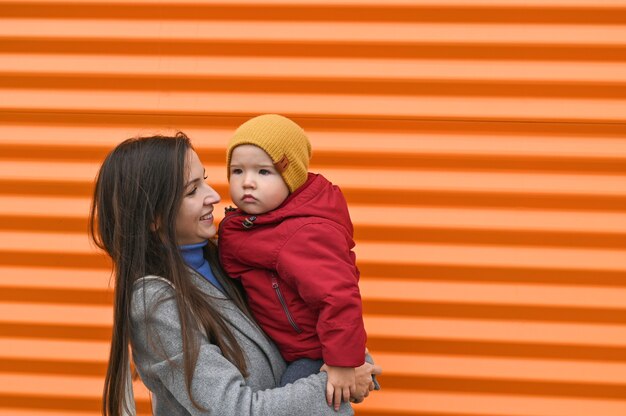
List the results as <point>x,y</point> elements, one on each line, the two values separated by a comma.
<point>290,242</point>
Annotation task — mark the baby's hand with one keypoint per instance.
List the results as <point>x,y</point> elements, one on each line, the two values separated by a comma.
<point>341,384</point>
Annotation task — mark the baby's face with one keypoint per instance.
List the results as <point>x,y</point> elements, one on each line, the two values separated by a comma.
<point>256,187</point>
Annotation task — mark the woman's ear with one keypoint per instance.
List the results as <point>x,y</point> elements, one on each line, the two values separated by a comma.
<point>155,225</point>
<point>160,232</point>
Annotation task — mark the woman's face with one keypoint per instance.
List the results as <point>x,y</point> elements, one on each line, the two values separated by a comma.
<point>195,223</point>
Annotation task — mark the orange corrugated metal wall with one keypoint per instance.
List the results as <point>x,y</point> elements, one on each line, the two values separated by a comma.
<point>481,146</point>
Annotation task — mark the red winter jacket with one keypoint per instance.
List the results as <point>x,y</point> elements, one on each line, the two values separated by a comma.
<point>297,266</point>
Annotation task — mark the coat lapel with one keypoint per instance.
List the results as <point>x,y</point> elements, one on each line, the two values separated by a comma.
<point>241,323</point>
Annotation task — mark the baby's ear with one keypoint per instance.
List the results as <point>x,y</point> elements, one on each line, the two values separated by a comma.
<point>282,164</point>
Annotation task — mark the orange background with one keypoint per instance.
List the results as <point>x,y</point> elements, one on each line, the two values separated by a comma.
<point>481,146</point>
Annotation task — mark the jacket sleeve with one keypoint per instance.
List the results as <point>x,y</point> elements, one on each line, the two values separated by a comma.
<point>318,261</point>
<point>217,384</point>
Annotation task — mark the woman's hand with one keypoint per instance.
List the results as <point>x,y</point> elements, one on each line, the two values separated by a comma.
<point>364,381</point>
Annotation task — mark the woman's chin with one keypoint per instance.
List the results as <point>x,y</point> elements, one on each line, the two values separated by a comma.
<point>210,232</point>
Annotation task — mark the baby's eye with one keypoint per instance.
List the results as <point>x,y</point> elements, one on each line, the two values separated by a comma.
<point>235,171</point>
<point>264,171</point>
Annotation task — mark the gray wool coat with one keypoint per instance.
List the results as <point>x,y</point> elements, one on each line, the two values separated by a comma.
<point>217,384</point>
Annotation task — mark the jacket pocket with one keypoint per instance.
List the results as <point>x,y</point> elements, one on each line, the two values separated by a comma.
<point>283,303</point>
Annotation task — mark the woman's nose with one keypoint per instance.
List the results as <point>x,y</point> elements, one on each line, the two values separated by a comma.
<point>212,197</point>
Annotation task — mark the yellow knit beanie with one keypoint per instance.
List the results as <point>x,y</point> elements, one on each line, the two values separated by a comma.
<point>283,140</point>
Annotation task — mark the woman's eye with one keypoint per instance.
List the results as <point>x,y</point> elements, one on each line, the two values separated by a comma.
<point>193,191</point>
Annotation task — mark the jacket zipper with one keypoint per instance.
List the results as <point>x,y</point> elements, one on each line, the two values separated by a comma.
<point>227,218</point>
<point>281,299</point>
<point>247,223</point>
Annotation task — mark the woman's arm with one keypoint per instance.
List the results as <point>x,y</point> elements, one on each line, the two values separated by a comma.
<point>217,384</point>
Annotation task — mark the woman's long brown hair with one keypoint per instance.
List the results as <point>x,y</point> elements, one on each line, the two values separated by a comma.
<point>137,195</point>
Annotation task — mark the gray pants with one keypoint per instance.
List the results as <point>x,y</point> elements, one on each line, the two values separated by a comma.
<point>301,368</point>
<point>304,367</point>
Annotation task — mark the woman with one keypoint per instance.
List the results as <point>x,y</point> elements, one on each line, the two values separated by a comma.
<point>194,342</point>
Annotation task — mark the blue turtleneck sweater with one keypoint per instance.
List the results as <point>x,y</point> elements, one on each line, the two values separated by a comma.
<point>193,254</point>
